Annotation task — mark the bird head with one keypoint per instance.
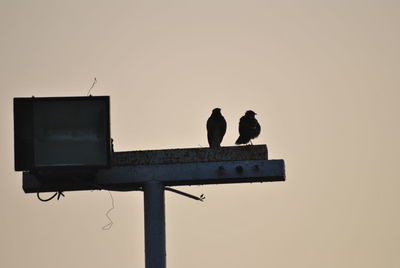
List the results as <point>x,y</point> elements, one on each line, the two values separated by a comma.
<point>250,113</point>
<point>216,111</point>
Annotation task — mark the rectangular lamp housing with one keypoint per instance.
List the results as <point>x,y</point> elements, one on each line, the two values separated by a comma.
<point>61,132</point>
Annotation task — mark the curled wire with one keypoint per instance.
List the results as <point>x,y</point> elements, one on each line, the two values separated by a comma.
<point>109,225</point>
<point>59,193</point>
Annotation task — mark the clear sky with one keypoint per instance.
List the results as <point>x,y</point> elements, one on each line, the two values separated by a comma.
<point>323,77</point>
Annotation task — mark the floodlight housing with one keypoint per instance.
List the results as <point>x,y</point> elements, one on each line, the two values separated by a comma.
<point>62,133</point>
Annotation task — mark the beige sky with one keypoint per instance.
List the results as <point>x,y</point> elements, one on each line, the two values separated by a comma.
<point>323,77</point>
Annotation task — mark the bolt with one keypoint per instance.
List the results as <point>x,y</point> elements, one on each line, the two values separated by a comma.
<point>221,170</point>
<point>239,169</point>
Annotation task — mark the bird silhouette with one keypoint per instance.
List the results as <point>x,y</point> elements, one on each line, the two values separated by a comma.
<point>249,128</point>
<point>216,128</point>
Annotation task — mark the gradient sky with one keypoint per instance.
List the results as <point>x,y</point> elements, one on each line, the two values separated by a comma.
<point>323,77</point>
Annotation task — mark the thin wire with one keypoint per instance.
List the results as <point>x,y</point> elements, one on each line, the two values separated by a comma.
<point>45,200</point>
<point>94,83</point>
<point>59,193</point>
<point>200,198</point>
<point>96,186</point>
<point>108,226</point>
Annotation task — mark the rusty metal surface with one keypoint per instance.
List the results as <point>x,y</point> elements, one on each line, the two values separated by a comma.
<point>190,155</point>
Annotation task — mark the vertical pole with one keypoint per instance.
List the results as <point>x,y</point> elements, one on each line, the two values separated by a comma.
<point>154,225</point>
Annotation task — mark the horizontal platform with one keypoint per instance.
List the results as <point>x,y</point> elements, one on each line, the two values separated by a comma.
<point>131,178</point>
<point>193,166</point>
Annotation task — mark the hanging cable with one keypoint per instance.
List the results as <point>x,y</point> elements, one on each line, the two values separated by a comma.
<point>198,198</point>
<point>108,226</point>
<point>58,194</point>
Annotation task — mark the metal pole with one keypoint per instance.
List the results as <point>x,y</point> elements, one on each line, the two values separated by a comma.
<point>154,225</point>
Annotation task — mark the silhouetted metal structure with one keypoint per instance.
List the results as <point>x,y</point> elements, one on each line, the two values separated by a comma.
<point>152,171</point>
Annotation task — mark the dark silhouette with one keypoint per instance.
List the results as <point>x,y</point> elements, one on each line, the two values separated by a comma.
<point>249,128</point>
<point>216,128</point>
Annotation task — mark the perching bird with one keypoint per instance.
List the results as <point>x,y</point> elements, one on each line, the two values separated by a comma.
<point>216,128</point>
<point>249,128</point>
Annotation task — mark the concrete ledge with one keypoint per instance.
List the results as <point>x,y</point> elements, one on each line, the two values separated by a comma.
<point>190,155</point>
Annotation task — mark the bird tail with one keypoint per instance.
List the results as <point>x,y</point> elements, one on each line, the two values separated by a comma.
<point>241,140</point>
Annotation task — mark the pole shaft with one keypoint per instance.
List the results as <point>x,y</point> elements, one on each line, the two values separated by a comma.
<point>154,225</point>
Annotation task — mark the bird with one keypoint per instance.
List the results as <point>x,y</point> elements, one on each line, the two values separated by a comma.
<point>216,128</point>
<point>249,128</point>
